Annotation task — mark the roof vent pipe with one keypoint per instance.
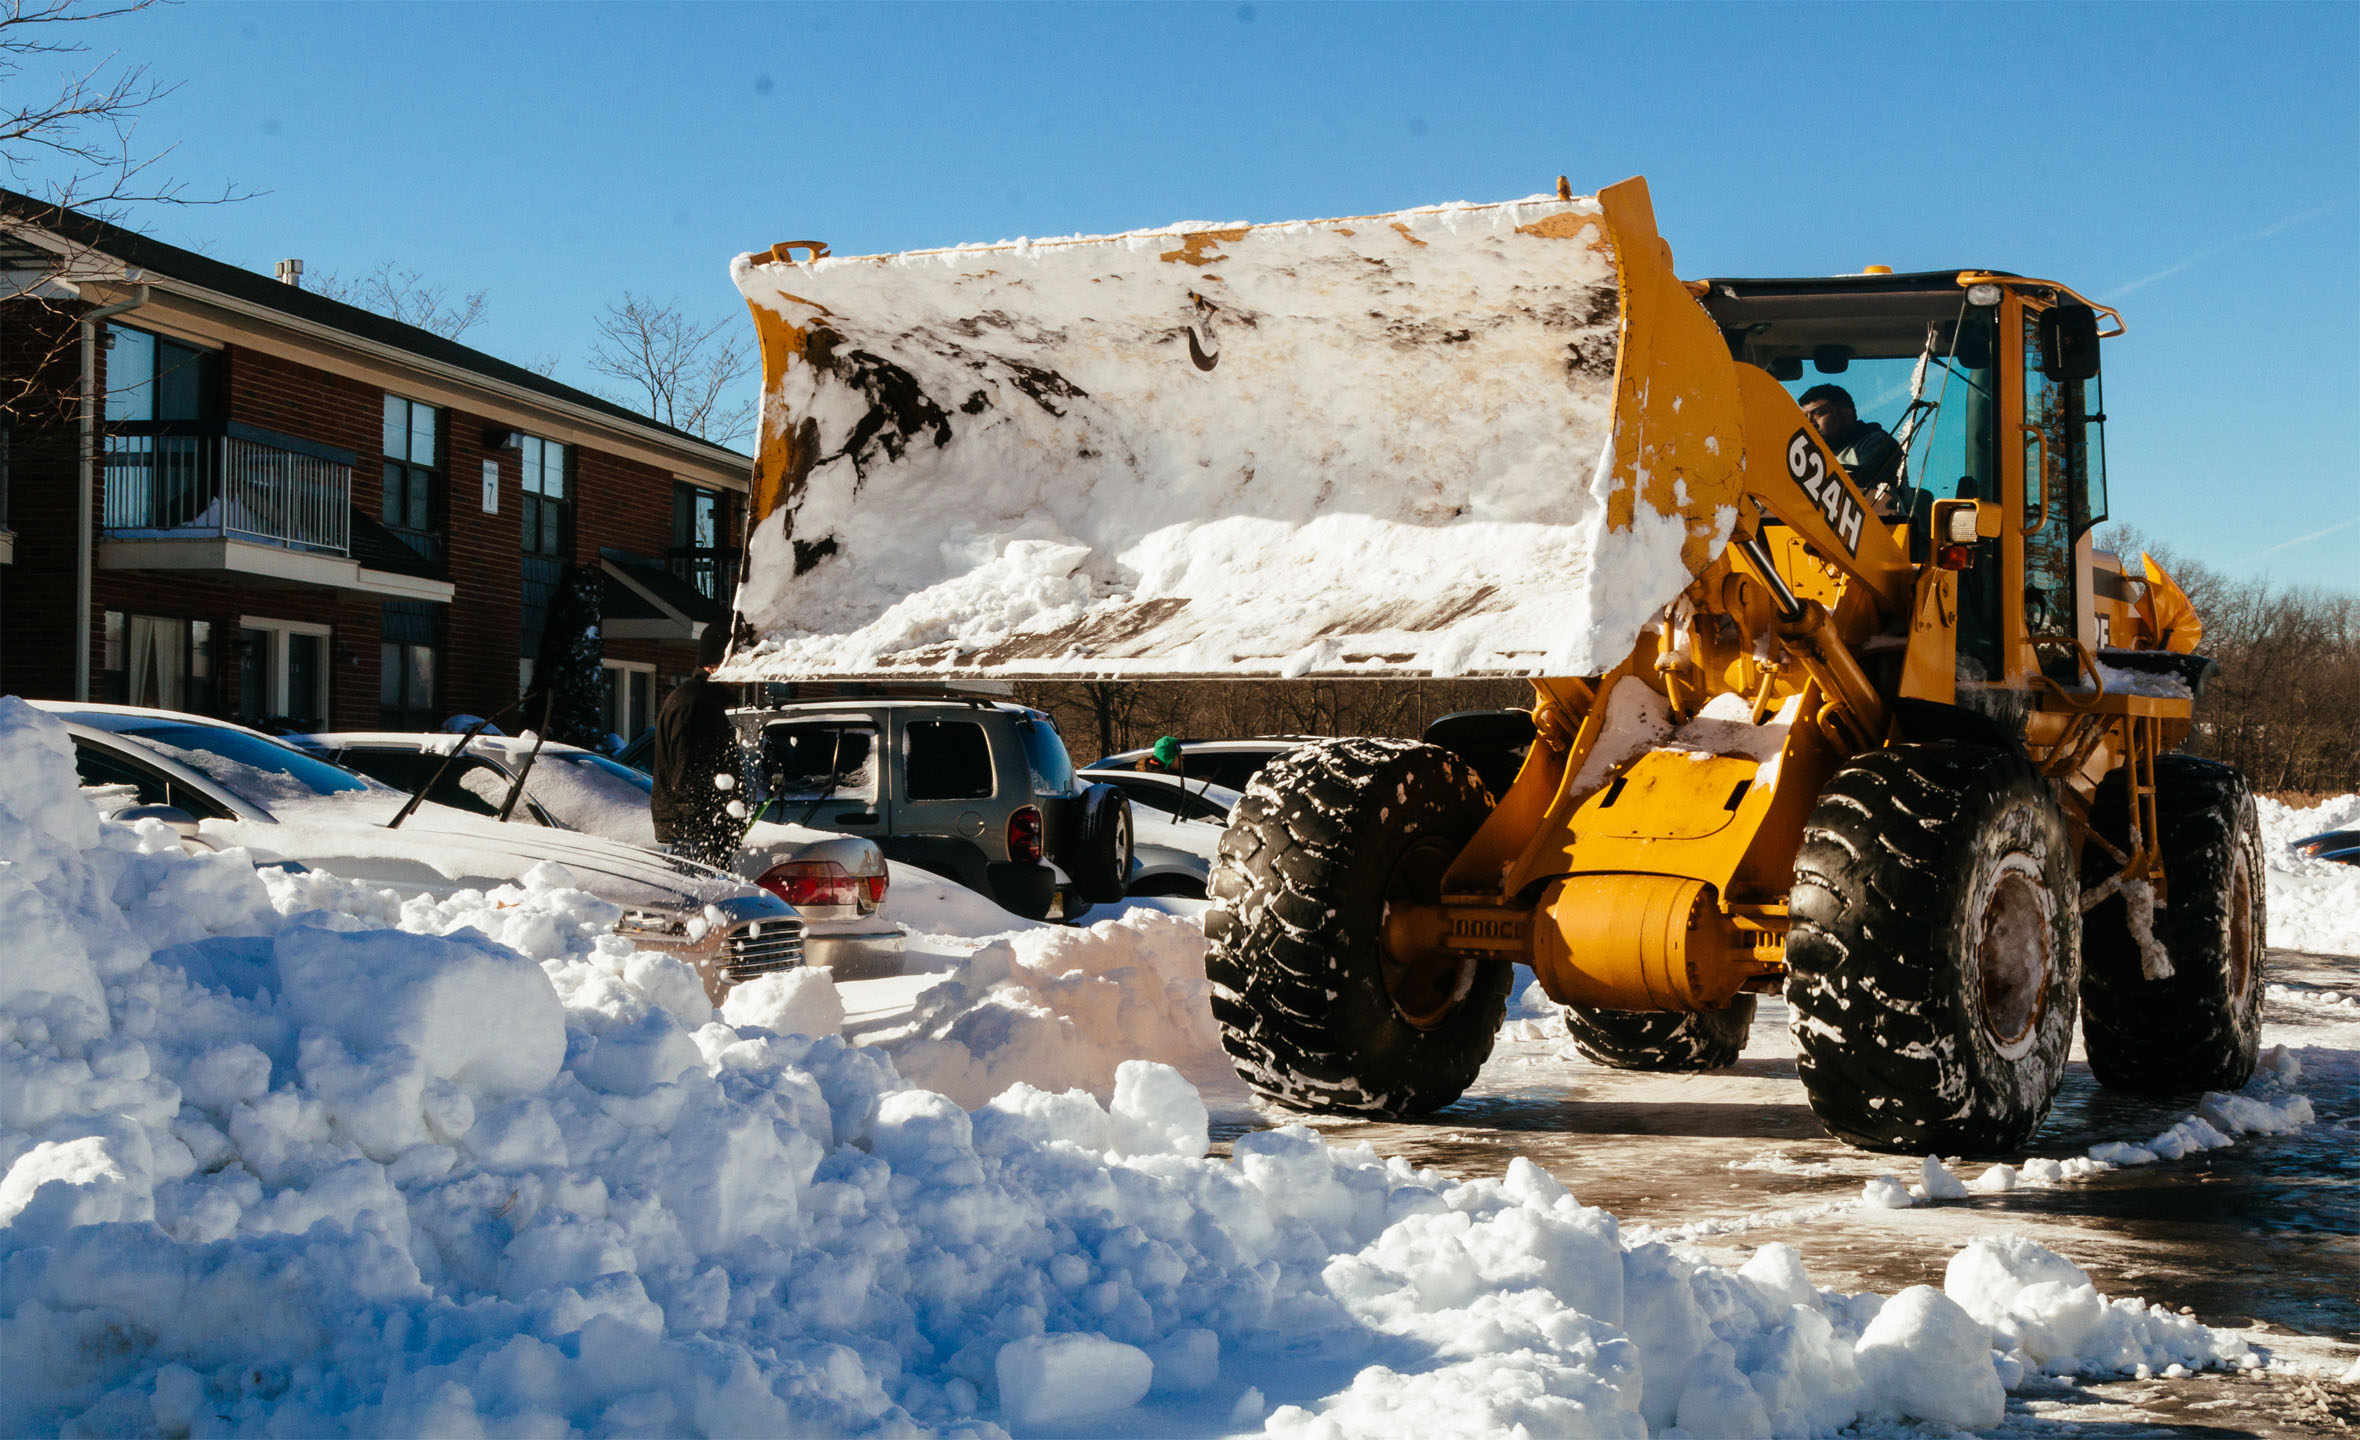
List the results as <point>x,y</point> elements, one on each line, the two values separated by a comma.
<point>290,272</point>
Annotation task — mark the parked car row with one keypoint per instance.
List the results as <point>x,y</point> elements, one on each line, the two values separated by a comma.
<point>223,786</point>
<point>976,789</point>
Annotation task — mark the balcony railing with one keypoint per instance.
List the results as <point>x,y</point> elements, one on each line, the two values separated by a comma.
<point>183,478</point>
<point>713,572</point>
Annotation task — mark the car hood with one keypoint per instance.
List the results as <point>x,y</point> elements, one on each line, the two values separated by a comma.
<point>440,851</point>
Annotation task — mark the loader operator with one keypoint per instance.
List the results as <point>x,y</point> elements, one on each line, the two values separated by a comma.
<point>1862,447</point>
<point>695,748</point>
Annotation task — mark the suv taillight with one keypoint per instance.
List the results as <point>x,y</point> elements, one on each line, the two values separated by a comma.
<point>1024,834</point>
<point>816,882</point>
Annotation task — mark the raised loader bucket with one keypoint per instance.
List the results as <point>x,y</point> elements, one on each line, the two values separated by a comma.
<point>1462,440</point>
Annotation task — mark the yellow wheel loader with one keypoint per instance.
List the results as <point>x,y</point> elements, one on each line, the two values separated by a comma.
<point>1896,745</point>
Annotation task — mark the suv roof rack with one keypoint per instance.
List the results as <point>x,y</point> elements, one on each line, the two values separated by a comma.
<point>970,692</point>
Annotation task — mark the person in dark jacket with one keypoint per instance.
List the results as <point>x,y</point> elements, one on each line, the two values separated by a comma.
<point>696,761</point>
<point>1869,455</point>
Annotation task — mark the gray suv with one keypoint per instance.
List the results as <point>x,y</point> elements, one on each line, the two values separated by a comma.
<point>979,791</point>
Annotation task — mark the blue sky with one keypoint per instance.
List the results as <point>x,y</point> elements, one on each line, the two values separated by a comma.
<point>2199,165</point>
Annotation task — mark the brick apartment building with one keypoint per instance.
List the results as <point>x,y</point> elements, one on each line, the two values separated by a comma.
<point>301,514</point>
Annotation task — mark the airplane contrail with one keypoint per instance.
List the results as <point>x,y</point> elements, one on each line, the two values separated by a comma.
<point>2202,255</point>
<point>2299,540</point>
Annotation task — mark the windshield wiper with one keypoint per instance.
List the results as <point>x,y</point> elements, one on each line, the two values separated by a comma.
<point>451,756</point>
<point>516,788</point>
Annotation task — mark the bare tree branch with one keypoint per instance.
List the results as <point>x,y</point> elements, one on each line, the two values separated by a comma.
<point>680,371</point>
<point>405,295</point>
<point>69,142</point>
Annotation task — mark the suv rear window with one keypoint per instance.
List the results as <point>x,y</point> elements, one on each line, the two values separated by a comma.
<point>946,760</point>
<point>814,761</point>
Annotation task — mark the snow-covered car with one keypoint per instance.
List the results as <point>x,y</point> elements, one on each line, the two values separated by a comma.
<point>837,883</point>
<point>2341,846</point>
<point>1229,763</point>
<point>223,786</point>
<point>1176,827</point>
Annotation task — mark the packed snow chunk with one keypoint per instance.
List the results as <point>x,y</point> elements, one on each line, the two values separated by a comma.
<point>1996,1180</point>
<point>477,1014</point>
<point>801,1001</point>
<point>1924,1357</point>
<point>95,1180</point>
<point>1062,1008</point>
<point>1286,449</point>
<point>634,1056</point>
<point>1186,1361</point>
<point>1937,1183</point>
<point>2044,1306</point>
<point>2255,1115</point>
<point>1886,1193</point>
<point>1058,1377</point>
<point>1157,1112</point>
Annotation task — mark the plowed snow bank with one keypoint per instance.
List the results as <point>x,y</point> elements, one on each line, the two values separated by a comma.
<point>282,1155</point>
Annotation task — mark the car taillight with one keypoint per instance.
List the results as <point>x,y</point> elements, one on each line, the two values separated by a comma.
<point>876,889</point>
<point>1024,834</point>
<point>812,882</point>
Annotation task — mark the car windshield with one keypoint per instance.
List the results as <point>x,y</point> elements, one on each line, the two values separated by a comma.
<point>262,771</point>
<point>582,791</point>
<point>610,769</point>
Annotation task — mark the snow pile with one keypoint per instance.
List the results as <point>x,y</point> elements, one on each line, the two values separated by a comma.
<point>1374,445</point>
<point>1062,1007</point>
<point>2048,1317</point>
<point>287,1156</point>
<point>2314,904</point>
<point>2267,1106</point>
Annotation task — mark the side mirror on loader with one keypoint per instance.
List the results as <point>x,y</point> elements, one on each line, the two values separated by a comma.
<point>2069,342</point>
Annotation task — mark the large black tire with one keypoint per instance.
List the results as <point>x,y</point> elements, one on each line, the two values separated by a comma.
<point>1934,953</point>
<point>1312,1011</point>
<point>1661,1040</point>
<point>1101,866</point>
<point>2201,1028</point>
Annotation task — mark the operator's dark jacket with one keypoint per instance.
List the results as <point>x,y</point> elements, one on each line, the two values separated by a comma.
<point>694,742</point>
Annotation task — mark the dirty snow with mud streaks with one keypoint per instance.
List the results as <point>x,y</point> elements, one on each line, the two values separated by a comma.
<point>1378,445</point>
<point>282,1153</point>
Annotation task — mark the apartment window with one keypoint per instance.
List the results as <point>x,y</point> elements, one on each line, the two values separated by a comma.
<point>158,660</point>
<point>282,673</point>
<point>545,497</point>
<point>547,494</point>
<point>699,519</point>
<point>152,377</point>
<point>413,429</point>
<point>407,658</point>
<point>626,697</point>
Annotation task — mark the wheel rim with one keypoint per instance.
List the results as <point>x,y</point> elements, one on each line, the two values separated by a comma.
<point>1425,990</point>
<point>2014,952</point>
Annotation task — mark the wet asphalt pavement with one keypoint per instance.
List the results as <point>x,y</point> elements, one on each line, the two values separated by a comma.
<point>2263,1236</point>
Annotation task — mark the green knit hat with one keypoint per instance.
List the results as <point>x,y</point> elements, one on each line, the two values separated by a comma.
<point>1167,750</point>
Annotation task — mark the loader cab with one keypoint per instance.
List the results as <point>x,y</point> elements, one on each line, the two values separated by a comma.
<point>1951,370</point>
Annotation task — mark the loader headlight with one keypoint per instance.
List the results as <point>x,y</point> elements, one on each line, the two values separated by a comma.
<point>1985,295</point>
